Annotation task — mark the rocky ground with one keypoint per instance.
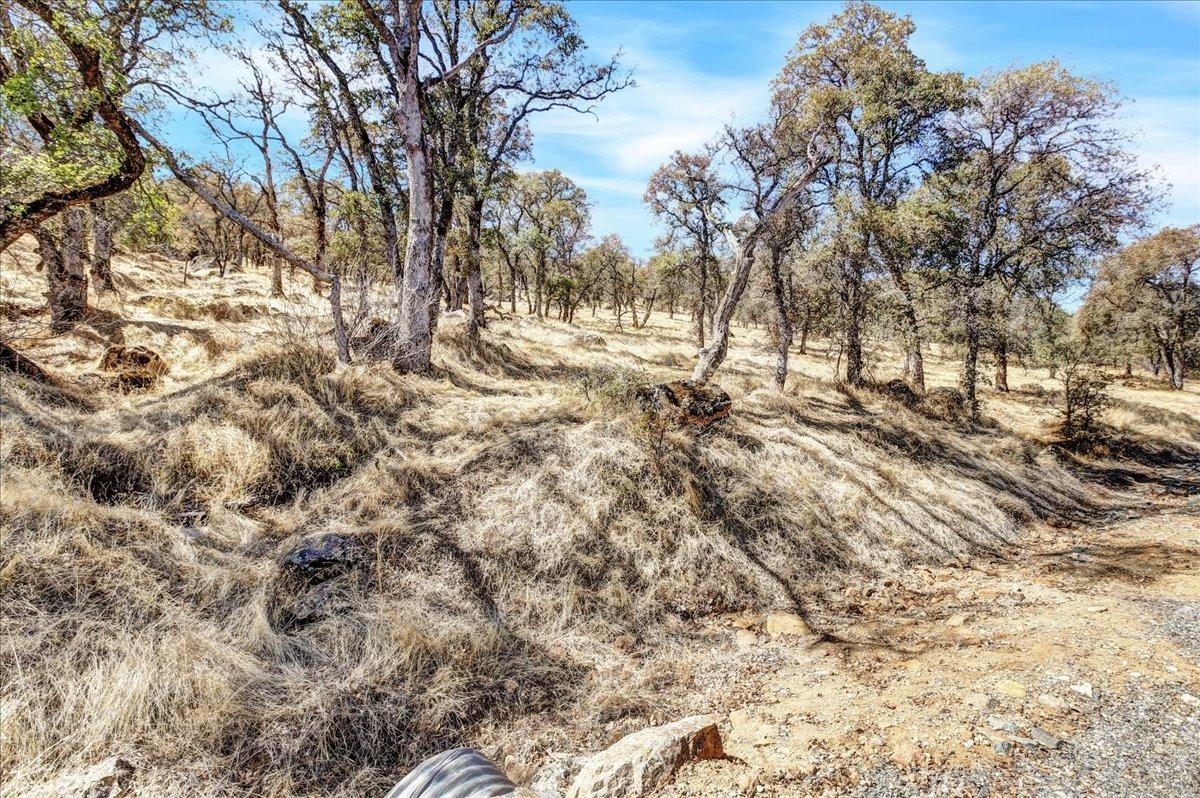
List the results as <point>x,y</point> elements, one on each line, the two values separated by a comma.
<point>1071,670</point>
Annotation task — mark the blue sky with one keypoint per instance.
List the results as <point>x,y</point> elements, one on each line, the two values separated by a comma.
<point>699,65</point>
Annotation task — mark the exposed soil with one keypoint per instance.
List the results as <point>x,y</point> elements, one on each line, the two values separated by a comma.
<point>1071,670</point>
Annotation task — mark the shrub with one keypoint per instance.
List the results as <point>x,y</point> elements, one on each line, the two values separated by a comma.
<point>1084,399</point>
<point>611,387</point>
<point>1084,395</point>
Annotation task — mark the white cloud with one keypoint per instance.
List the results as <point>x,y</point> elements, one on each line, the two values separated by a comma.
<point>1166,136</point>
<point>609,185</point>
<point>672,107</point>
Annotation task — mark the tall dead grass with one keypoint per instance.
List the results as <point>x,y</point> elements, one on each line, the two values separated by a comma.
<point>514,521</point>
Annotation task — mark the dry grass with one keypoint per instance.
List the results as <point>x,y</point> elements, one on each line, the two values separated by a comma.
<point>518,519</point>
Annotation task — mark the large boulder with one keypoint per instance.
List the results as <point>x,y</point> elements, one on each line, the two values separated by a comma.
<point>686,402</point>
<point>137,368</point>
<point>641,763</point>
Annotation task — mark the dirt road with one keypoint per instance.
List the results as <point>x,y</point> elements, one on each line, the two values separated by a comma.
<point>1072,669</point>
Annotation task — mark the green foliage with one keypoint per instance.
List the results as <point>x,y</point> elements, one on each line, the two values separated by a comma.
<point>1084,396</point>
<point>1146,300</point>
<point>611,387</point>
<point>150,215</point>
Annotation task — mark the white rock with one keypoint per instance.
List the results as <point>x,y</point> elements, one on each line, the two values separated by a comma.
<point>555,775</point>
<point>744,639</point>
<point>640,763</point>
<point>787,623</point>
<point>1084,688</point>
<point>1052,701</point>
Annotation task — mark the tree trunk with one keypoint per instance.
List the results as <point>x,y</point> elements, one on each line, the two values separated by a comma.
<point>539,279</point>
<point>483,286</point>
<point>1174,366</point>
<point>418,294</point>
<point>67,291</point>
<point>1000,352</point>
<point>276,277</point>
<point>102,238</point>
<point>783,321</point>
<point>854,356</point>
<point>914,362</point>
<point>712,355</point>
<point>970,375</point>
<point>340,336</point>
<point>475,293</point>
<point>65,274</point>
<point>441,231</point>
<point>512,279</point>
<point>649,307</point>
<point>455,285</point>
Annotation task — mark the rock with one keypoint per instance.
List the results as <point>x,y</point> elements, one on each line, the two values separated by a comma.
<point>642,762</point>
<point>95,381</point>
<point>744,639</point>
<point>1011,688</point>
<point>320,601</point>
<point>1097,609</point>
<point>110,779</point>
<point>1044,738</point>
<point>686,402</point>
<point>1000,724</point>
<point>137,368</point>
<point>957,619</point>
<point>787,623</point>
<point>1188,698</point>
<point>1002,747</point>
<point>748,782</point>
<point>1052,701</point>
<point>980,701</point>
<point>555,775</point>
<point>1084,688</point>
<point>747,621</point>
<point>324,555</point>
<point>905,753</point>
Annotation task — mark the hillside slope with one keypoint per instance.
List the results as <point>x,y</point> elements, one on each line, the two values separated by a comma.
<point>506,553</point>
